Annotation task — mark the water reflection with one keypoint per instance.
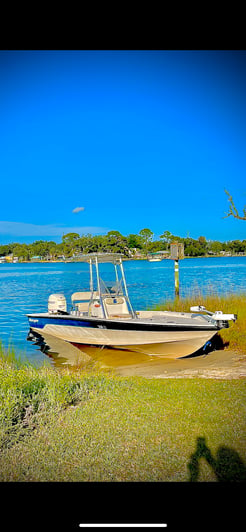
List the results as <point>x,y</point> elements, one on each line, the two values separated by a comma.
<point>65,353</point>
<point>60,352</point>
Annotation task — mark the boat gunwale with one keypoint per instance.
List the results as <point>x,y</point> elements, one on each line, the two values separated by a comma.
<point>129,324</point>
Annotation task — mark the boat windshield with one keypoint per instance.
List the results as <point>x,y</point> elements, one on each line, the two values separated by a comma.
<point>111,287</point>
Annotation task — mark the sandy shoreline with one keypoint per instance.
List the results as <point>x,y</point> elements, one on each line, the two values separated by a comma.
<point>221,364</point>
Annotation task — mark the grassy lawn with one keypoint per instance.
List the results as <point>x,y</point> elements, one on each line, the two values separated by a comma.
<point>66,427</point>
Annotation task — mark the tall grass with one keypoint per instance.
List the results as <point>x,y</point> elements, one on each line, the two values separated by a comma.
<point>30,396</point>
<point>235,335</point>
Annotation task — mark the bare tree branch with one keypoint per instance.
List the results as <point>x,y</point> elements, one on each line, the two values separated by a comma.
<point>233,210</point>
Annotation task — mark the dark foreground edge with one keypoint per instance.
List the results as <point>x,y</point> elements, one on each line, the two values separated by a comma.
<point>63,506</point>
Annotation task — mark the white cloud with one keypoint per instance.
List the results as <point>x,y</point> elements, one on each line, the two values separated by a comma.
<point>23,229</point>
<point>78,209</point>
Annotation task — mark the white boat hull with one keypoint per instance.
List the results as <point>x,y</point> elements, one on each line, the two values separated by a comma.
<point>172,344</point>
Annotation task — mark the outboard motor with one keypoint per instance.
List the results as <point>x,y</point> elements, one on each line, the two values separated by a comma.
<point>57,304</point>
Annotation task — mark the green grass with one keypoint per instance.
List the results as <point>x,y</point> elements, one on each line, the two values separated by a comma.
<point>66,426</point>
<point>235,336</point>
<point>30,395</point>
<point>86,425</point>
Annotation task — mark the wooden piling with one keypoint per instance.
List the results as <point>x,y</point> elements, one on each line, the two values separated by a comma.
<point>176,277</point>
<point>177,252</point>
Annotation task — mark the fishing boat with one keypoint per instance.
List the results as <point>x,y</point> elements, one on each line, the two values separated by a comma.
<point>104,317</point>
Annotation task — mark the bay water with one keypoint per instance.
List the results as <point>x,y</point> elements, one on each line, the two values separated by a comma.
<point>25,288</point>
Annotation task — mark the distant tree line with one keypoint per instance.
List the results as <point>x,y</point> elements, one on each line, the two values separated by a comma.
<point>142,243</point>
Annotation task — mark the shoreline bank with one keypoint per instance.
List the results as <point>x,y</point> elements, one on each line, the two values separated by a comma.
<point>124,259</point>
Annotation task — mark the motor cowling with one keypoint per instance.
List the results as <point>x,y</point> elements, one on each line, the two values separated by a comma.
<point>57,303</point>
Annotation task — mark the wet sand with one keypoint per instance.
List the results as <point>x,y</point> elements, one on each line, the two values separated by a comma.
<point>219,364</point>
<point>223,364</point>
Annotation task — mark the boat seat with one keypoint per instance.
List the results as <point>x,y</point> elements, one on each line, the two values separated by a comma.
<point>83,300</point>
<point>116,307</point>
<point>123,316</point>
<point>82,296</point>
<point>114,300</point>
<point>82,307</point>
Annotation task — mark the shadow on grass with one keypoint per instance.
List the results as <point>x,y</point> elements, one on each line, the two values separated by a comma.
<point>227,465</point>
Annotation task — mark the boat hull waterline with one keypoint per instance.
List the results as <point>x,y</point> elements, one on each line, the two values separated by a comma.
<point>174,342</point>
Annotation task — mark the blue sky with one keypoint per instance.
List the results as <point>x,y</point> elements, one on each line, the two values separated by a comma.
<point>135,138</point>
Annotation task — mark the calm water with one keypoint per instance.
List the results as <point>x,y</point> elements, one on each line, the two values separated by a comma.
<point>25,288</point>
